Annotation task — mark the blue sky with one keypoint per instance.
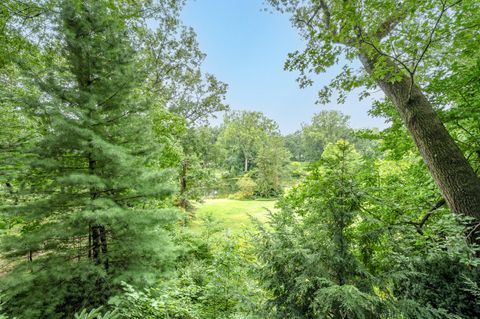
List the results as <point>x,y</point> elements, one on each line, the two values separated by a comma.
<point>246,47</point>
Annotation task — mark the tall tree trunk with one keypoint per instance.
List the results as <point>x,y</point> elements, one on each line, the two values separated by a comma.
<point>245,169</point>
<point>103,242</point>
<point>90,232</point>
<point>451,171</point>
<point>183,186</point>
<point>97,235</point>
<point>96,244</point>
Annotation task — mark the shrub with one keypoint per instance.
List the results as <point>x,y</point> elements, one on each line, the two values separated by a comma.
<point>246,187</point>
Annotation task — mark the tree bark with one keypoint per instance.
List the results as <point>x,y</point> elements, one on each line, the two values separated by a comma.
<point>90,232</point>
<point>96,244</point>
<point>97,237</point>
<point>183,186</point>
<point>103,242</point>
<point>452,173</point>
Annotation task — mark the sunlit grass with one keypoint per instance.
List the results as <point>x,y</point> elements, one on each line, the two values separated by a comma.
<point>233,215</point>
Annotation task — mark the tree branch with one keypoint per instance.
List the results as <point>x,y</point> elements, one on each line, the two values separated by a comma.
<point>322,6</point>
<point>425,218</point>
<point>380,52</point>
<point>390,23</point>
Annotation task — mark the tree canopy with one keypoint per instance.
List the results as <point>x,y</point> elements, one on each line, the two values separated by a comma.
<point>129,188</point>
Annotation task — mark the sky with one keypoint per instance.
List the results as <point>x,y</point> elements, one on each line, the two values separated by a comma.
<point>247,47</point>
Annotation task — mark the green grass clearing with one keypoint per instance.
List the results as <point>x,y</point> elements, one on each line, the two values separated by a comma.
<point>233,215</point>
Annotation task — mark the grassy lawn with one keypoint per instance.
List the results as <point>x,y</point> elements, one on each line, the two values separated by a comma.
<point>232,214</point>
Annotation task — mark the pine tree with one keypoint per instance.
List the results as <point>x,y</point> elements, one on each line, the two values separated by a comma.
<point>309,263</point>
<point>92,217</point>
<point>316,258</point>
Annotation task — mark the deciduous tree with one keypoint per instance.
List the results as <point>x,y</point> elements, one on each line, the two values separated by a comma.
<point>397,42</point>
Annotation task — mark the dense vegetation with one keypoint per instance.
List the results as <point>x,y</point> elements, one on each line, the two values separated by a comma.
<point>107,154</point>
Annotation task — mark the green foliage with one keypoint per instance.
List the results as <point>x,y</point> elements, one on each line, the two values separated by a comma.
<point>96,314</point>
<point>420,250</point>
<point>298,170</point>
<point>242,135</point>
<point>246,187</point>
<point>152,303</point>
<point>89,209</point>
<point>271,171</point>
<point>2,315</point>
<point>435,271</point>
<point>308,258</point>
<point>211,281</point>
<point>326,127</point>
<point>252,144</point>
<point>103,116</point>
<point>334,250</point>
<point>294,144</point>
<point>199,169</point>
<point>167,129</point>
<point>399,30</point>
<point>457,87</point>
<point>173,59</point>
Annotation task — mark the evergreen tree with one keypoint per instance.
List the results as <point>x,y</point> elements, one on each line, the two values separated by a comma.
<point>313,256</point>
<point>92,220</point>
<point>309,263</point>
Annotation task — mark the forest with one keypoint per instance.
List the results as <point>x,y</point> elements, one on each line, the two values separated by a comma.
<point>130,188</point>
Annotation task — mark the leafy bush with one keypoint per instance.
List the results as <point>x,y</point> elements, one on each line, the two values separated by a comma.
<point>212,281</point>
<point>246,187</point>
